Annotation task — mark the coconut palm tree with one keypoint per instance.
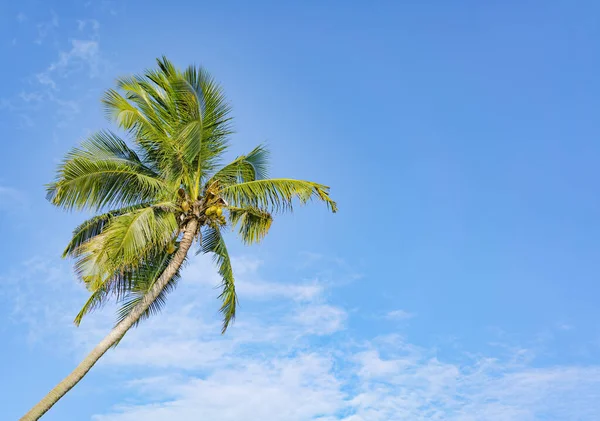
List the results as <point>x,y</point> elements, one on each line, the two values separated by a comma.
<point>159,194</point>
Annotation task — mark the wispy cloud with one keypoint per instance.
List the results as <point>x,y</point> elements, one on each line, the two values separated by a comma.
<point>399,315</point>
<point>301,362</point>
<point>31,97</point>
<point>21,17</point>
<point>44,79</point>
<point>320,319</point>
<point>47,28</point>
<point>83,24</point>
<point>292,389</point>
<point>84,55</point>
<point>564,326</point>
<point>411,383</point>
<point>26,291</point>
<point>82,58</point>
<point>104,6</point>
<point>252,286</point>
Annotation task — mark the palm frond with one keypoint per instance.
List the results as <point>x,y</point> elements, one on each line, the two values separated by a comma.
<point>117,284</point>
<point>95,301</point>
<point>126,242</point>
<point>129,238</point>
<point>144,279</point>
<point>276,194</point>
<point>250,167</point>
<point>253,223</point>
<point>103,173</point>
<point>205,135</point>
<point>130,286</point>
<point>149,105</point>
<point>94,226</point>
<point>212,242</point>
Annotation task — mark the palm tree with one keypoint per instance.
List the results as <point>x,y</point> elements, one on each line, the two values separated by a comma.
<point>155,198</point>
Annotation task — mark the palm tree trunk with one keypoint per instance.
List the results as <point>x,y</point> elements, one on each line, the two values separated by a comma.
<point>118,331</point>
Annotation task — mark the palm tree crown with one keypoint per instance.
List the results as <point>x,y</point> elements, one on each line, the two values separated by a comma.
<point>146,193</point>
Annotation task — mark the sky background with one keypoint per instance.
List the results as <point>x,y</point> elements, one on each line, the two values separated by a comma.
<point>459,279</point>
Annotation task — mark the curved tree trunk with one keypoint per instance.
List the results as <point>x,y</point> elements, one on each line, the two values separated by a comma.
<point>118,331</point>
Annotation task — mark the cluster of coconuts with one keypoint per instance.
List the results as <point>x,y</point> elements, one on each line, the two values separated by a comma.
<point>216,213</point>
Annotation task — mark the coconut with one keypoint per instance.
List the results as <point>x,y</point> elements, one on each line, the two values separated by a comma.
<point>219,211</point>
<point>185,206</point>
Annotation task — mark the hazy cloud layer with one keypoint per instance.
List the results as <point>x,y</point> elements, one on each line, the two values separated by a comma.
<point>292,362</point>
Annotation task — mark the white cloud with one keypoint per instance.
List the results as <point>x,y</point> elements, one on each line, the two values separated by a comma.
<point>250,286</point>
<point>82,24</point>
<point>321,319</point>
<point>417,386</point>
<point>21,17</point>
<point>45,29</point>
<point>45,79</point>
<point>83,57</point>
<point>31,96</point>
<point>104,6</point>
<point>564,326</point>
<point>321,385</point>
<point>399,315</point>
<point>286,389</point>
<point>268,290</point>
<point>29,286</point>
<point>270,365</point>
<point>84,54</point>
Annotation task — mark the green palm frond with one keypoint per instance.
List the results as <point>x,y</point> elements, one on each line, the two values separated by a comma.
<point>250,167</point>
<point>208,129</point>
<point>144,279</point>
<point>93,227</point>
<point>132,236</point>
<point>154,100</point>
<point>212,104</point>
<point>94,302</point>
<point>124,244</point>
<point>129,287</point>
<point>276,194</point>
<point>159,137</point>
<point>253,223</point>
<point>213,242</point>
<point>118,285</point>
<point>104,172</point>
<point>146,129</point>
<point>125,114</point>
<point>180,120</point>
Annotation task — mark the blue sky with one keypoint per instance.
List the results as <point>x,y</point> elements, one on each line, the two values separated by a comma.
<point>459,279</point>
